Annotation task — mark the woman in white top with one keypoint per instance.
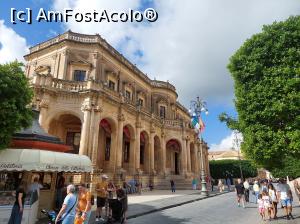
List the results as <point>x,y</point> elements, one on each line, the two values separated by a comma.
<point>274,200</point>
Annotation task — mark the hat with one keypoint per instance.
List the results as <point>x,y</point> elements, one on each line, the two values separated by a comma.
<point>104,176</point>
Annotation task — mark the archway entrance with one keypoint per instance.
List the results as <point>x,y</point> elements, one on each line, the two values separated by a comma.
<point>68,128</point>
<point>106,142</point>
<point>127,151</point>
<point>173,157</point>
<point>144,152</point>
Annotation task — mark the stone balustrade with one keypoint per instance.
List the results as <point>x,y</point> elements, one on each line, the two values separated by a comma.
<point>68,85</point>
<point>163,84</point>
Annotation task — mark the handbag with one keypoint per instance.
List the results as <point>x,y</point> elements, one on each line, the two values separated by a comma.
<point>62,219</point>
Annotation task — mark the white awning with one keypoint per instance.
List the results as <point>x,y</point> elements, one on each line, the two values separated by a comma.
<point>42,160</point>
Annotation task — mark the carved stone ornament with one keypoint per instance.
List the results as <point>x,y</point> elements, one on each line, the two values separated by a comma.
<point>95,55</point>
<point>121,117</point>
<point>86,106</point>
<point>44,103</point>
<point>97,108</point>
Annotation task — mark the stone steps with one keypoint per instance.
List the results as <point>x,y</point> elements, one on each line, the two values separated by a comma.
<point>181,183</point>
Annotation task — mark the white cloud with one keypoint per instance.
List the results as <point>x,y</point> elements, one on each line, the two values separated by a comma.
<point>190,43</point>
<point>227,143</point>
<point>12,45</point>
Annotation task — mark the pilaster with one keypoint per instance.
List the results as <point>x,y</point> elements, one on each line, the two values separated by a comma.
<point>86,109</point>
<point>183,156</point>
<point>121,120</point>
<point>188,148</point>
<point>163,153</point>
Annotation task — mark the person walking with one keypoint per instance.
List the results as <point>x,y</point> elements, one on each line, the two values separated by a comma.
<point>247,187</point>
<point>194,184</point>
<point>256,190</point>
<point>285,197</point>
<point>220,186</point>
<point>60,184</point>
<point>240,191</point>
<point>35,186</point>
<point>111,189</point>
<point>84,205</point>
<point>123,198</point>
<point>172,186</point>
<point>101,189</point>
<point>228,183</point>
<point>267,204</point>
<point>67,212</point>
<point>261,207</point>
<point>274,199</point>
<point>297,189</point>
<point>17,210</point>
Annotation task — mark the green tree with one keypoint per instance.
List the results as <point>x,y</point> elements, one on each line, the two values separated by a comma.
<point>266,73</point>
<point>15,97</point>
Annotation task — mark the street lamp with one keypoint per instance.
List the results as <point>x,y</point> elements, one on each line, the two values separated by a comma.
<point>236,145</point>
<point>197,107</point>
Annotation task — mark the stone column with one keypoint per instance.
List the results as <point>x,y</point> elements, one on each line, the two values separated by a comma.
<point>151,148</point>
<point>137,146</point>
<point>94,72</point>
<point>65,59</point>
<point>119,149</point>
<point>183,157</point>
<point>188,154</point>
<point>95,151</point>
<point>95,135</point>
<point>91,133</point>
<point>163,154</point>
<point>86,108</point>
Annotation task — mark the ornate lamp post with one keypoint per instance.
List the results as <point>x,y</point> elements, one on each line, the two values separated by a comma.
<point>196,108</point>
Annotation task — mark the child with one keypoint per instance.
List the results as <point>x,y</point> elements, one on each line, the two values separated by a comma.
<point>267,203</point>
<point>261,207</point>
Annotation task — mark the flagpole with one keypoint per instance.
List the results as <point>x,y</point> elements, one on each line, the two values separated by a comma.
<point>199,106</point>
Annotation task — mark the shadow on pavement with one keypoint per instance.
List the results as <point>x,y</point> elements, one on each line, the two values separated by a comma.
<point>159,216</point>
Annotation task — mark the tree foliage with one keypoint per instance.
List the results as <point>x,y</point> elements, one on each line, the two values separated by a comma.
<point>266,73</point>
<point>15,96</point>
<point>220,169</point>
<point>291,168</point>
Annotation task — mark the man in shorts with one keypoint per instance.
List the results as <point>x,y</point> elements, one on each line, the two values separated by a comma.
<point>101,189</point>
<point>285,197</point>
<point>240,191</point>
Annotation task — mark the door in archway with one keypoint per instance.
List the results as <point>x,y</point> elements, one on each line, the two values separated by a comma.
<point>176,163</point>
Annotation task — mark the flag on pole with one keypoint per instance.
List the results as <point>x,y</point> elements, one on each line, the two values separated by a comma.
<point>202,125</point>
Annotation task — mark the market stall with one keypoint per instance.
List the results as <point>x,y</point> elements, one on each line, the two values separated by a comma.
<point>17,164</point>
<point>34,154</point>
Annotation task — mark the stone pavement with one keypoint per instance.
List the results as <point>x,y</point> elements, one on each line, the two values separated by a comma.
<point>158,200</point>
<point>215,210</point>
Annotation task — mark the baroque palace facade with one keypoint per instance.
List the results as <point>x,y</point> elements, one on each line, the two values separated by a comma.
<point>96,101</point>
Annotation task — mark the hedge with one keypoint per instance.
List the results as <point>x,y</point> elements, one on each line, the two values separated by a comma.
<point>220,169</point>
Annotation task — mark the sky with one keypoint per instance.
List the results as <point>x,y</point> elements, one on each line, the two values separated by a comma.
<point>189,44</point>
